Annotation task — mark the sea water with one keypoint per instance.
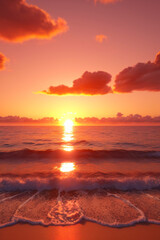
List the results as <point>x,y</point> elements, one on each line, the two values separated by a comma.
<point>115,180</point>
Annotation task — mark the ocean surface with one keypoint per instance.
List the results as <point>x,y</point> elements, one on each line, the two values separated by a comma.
<point>64,175</point>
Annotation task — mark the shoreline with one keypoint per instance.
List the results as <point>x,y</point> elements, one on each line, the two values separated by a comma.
<point>80,231</point>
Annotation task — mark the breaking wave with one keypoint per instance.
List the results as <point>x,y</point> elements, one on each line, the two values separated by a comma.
<point>48,181</point>
<point>30,154</point>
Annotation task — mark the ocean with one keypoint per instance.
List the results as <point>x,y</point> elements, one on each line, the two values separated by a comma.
<point>55,175</point>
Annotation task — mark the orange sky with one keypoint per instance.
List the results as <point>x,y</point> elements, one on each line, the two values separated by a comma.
<point>69,48</point>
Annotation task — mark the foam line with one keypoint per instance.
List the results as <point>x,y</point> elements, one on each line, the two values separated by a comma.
<point>21,205</point>
<point>130,204</point>
<point>7,198</point>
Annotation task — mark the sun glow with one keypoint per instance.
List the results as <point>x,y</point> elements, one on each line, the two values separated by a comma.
<point>67,120</point>
<point>68,125</point>
<point>67,167</point>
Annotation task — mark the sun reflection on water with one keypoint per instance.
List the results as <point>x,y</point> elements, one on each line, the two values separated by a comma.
<point>67,167</point>
<point>67,148</point>
<point>68,135</point>
<point>68,125</point>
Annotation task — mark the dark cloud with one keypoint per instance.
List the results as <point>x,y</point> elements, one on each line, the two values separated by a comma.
<point>3,60</point>
<point>89,84</point>
<point>141,77</point>
<point>25,120</point>
<point>20,21</point>
<point>120,118</point>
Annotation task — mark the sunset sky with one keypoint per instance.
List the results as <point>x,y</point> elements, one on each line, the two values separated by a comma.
<point>84,45</point>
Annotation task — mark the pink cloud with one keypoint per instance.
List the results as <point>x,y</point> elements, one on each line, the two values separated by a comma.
<point>106,1</point>
<point>157,60</point>
<point>95,83</point>
<point>141,77</point>
<point>20,21</point>
<point>3,60</point>
<point>101,38</point>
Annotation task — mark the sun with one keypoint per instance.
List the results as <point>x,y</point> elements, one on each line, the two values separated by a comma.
<point>67,167</point>
<point>68,126</point>
<point>68,123</point>
<point>67,120</point>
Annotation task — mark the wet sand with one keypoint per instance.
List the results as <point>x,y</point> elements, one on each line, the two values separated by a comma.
<point>86,231</point>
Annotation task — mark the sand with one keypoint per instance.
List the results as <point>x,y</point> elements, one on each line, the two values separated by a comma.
<point>86,231</point>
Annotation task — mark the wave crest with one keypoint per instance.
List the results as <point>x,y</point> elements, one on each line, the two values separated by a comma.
<point>83,182</point>
<point>30,154</point>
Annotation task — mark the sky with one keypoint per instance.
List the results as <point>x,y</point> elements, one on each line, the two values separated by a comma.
<point>85,57</point>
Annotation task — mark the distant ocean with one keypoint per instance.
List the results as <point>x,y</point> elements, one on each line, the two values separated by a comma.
<point>60,176</point>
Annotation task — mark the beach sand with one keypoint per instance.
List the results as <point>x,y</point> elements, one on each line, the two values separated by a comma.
<point>86,231</point>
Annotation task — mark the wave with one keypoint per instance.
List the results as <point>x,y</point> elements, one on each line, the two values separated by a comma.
<point>49,141</point>
<point>28,143</point>
<point>79,181</point>
<point>30,154</point>
<point>8,145</point>
<point>131,144</point>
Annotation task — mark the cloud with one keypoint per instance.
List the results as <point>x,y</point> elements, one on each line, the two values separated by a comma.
<point>157,60</point>
<point>106,1</point>
<point>25,120</point>
<point>120,118</point>
<point>3,60</point>
<point>101,38</point>
<point>89,84</point>
<point>141,77</point>
<point>20,21</point>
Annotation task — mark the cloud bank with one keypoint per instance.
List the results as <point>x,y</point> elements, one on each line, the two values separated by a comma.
<point>95,83</point>
<point>141,77</point>
<point>25,120</point>
<point>20,21</point>
<point>120,118</point>
<point>3,60</point>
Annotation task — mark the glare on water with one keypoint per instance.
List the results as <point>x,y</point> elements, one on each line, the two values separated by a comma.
<point>68,135</point>
<point>67,167</point>
<point>68,125</point>
<point>67,148</point>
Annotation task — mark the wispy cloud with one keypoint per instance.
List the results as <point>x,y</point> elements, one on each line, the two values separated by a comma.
<point>106,1</point>
<point>100,38</point>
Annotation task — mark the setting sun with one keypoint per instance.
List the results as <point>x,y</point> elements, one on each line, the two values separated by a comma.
<point>68,123</point>
<point>67,167</point>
